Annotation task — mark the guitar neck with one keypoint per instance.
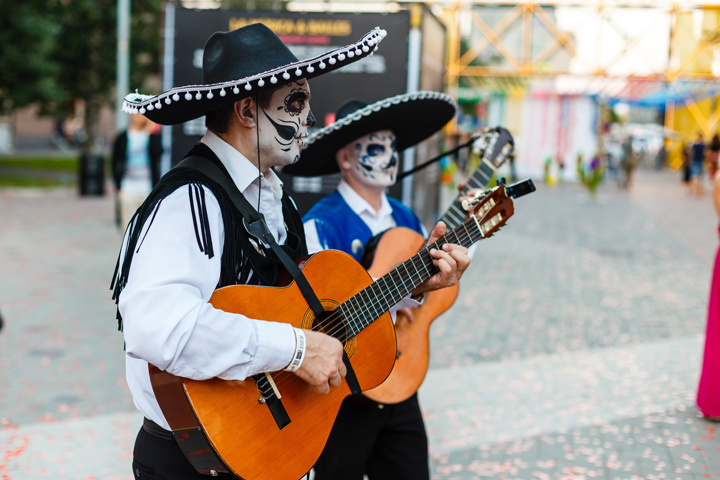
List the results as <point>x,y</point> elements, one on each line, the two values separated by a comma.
<point>489,162</point>
<point>455,214</point>
<point>370,303</point>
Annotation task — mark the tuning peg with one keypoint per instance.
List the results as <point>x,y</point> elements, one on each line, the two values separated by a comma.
<point>468,204</point>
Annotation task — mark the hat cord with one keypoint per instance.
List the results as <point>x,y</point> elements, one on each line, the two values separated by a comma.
<point>257,141</point>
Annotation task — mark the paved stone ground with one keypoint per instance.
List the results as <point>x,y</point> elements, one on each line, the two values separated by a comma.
<point>573,351</point>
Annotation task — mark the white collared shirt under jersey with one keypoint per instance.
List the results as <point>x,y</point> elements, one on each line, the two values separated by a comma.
<point>167,318</point>
<point>377,221</point>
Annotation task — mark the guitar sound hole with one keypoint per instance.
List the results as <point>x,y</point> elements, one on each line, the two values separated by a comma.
<point>331,323</point>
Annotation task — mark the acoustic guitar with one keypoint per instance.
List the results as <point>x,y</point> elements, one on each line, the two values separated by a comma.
<point>397,244</point>
<point>273,426</point>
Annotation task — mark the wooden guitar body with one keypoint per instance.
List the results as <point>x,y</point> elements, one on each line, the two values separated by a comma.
<point>240,429</point>
<point>413,343</point>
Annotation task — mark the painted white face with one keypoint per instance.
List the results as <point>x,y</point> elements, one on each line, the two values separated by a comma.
<point>375,160</point>
<point>284,123</point>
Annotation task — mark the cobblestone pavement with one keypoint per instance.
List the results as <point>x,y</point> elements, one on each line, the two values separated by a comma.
<point>572,352</point>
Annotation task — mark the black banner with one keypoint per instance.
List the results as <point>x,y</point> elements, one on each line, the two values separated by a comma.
<point>307,34</point>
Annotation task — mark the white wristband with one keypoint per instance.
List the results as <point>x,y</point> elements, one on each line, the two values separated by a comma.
<point>299,354</point>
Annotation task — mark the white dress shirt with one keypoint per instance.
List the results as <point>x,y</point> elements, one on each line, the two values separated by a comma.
<point>166,315</point>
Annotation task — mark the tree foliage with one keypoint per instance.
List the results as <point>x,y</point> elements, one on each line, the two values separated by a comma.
<point>87,49</point>
<point>56,52</point>
<point>28,73</point>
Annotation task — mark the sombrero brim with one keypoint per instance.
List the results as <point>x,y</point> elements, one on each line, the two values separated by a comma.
<point>413,117</point>
<point>180,104</point>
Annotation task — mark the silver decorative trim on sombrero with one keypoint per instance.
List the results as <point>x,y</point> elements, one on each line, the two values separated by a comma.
<point>137,103</point>
<point>376,107</point>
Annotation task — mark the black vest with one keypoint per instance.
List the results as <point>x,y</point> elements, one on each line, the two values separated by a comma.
<point>243,260</point>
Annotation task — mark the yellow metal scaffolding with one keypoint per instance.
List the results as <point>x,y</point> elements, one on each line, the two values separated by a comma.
<point>693,46</point>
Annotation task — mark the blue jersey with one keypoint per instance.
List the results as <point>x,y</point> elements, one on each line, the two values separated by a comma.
<point>340,228</point>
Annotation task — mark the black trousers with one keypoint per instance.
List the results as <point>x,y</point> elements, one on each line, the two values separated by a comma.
<point>387,443</point>
<point>157,458</point>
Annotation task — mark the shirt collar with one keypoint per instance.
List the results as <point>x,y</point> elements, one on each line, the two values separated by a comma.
<point>241,170</point>
<point>359,204</point>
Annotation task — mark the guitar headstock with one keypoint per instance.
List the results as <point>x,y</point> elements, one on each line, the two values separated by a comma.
<point>490,209</point>
<point>495,146</point>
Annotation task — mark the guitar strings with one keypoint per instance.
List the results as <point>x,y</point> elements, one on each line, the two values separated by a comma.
<point>364,308</point>
<point>394,274</point>
<point>336,315</point>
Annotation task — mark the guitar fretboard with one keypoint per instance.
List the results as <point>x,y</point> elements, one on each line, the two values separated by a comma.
<point>456,214</point>
<point>370,303</point>
<point>489,164</point>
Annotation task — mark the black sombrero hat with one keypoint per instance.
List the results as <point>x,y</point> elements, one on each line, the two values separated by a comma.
<point>241,63</point>
<point>413,117</point>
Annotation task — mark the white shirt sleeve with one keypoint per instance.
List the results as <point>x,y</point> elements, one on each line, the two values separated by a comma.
<point>167,319</point>
<point>312,239</point>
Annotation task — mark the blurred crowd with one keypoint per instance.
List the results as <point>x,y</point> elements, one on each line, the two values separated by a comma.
<point>700,162</point>
<point>621,154</point>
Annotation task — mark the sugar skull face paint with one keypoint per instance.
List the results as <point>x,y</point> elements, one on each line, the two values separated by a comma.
<point>284,122</point>
<point>376,159</point>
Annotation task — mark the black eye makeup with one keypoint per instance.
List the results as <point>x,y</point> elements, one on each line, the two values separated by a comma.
<point>375,149</point>
<point>295,102</point>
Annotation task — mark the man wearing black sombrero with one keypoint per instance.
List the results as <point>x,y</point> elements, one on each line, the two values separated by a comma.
<point>220,217</point>
<point>384,442</point>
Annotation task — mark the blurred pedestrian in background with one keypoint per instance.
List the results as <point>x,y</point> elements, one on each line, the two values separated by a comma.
<point>696,165</point>
<point>136,166</point>
<point>661,157</point>
<point>685,153</point>
<point>627,162</point>
<point>708,395</point>
<point>614,154</point>
<point>712,156</point>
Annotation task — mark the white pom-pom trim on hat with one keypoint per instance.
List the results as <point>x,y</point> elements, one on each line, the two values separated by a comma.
<point>376,107</point>
<point>138,103</point>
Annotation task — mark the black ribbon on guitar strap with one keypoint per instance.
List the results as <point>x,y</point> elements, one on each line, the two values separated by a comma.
<point>255,225</point>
